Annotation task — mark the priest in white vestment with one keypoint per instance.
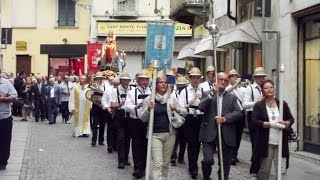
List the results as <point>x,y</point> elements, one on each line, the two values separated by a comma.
<point>80,106</point>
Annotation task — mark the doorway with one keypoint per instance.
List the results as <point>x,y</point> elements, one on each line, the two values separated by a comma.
<point>24,64</point>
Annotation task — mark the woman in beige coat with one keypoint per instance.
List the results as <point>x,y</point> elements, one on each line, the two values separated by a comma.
<point>164,124</point>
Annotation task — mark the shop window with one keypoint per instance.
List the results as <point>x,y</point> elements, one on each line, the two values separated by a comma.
<point>66,13</point>
<point>250,58</point>
<point>224,61</point>
<point>246,8</point>
<point>313,29</point>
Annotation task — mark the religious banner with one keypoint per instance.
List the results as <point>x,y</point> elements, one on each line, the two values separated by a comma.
<point>160,41</point>
<point>77,66</point>
<point>94,52</point>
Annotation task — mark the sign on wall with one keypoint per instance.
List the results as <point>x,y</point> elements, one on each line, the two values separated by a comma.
<point>160,41</point>
<point>136,29</point>
<point>21,45</point>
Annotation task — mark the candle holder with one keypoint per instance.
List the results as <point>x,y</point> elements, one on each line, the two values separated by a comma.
<point>123,58</point>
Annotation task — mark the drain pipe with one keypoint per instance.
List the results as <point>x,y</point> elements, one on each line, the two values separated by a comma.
<point>229,13</point>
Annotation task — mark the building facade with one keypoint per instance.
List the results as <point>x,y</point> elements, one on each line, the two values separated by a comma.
<point>44,37</point>
<point>127,20</point>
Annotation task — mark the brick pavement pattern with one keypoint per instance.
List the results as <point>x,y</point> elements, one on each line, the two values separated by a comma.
<point>53,154</point>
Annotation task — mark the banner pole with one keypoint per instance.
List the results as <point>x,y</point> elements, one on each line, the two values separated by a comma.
<point>155,65</point>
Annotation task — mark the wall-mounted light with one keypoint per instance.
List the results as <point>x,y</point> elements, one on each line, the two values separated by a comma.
<point>65,40</point>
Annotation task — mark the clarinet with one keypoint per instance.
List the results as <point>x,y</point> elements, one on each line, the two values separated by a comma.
<point>123,99</point>
<point>195,97</point>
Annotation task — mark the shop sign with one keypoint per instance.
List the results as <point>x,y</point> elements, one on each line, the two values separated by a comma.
<point>137,29</point>
<point>21,45</point>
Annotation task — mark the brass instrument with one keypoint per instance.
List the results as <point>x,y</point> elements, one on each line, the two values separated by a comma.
<point>94,98</point>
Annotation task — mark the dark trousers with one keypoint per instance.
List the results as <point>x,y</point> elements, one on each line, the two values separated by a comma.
<point>254,168</point>
<point>52,110</point>
<point>64,109</point>
<point>39,110</point>
<point>111,132</point>
<point>138,132</point>
<point>190,130</point>
<point>123,138</point>
<point>239,131</point>
<point>208,161</point>
<point>181,142</point>
<point>97,123</point>
<point>5,140</point>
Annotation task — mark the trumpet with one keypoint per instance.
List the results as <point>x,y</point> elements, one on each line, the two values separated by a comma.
<point>94,94</point>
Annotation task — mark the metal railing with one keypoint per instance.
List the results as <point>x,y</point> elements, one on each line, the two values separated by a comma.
<point>174,4</point>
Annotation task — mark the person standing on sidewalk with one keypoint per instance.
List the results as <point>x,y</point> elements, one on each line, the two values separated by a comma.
<point>252,96</point>
<point>53,95</point>
<point>65,96</point>
<point>39,101</point>
<point>8,94</point>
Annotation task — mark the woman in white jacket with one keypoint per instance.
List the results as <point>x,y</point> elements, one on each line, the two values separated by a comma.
<point>166,110</point>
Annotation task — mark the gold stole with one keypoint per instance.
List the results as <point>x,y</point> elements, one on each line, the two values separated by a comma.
<point>85,122</point>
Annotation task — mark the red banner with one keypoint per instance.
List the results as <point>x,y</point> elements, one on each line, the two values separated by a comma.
<point>77,66</point>
<point>94,55</point>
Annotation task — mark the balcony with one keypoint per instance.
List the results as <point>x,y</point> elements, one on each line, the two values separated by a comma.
<point>187,11</point>
<point>125,9</point>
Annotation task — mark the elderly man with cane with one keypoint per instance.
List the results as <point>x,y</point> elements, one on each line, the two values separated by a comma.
<point>227,118</point>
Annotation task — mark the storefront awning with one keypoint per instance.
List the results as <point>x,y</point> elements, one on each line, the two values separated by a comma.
<point>139,44</point>
<point>187,52</point>
<point>246,32</point>
<point>205,47</point>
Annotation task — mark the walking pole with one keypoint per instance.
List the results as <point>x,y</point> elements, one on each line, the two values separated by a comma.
<point>281,72</point>
<point>155,64</point>
<point>214,30</point>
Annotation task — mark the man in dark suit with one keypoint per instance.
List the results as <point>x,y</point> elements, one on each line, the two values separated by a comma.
<point>53,96</point>
<point>230,113</point>
<point>38,91</point>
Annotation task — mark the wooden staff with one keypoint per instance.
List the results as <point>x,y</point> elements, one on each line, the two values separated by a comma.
<point>281,72</point>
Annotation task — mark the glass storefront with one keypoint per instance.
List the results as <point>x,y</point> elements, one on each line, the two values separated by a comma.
<point>312,84</point>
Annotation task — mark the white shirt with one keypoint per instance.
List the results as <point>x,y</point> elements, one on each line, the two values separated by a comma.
<point>240,93</point>
<point>64,89</point>
<point>131,99</point>
<point>192,94</point>
<point>206,86</point>
<point>52,92</point>
<point>114,98</point>
<point>273,132</point>
<point>248,102</point>
<point>105,100</point>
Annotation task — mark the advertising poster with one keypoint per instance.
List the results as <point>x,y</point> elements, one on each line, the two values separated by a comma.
<point>160,41</point>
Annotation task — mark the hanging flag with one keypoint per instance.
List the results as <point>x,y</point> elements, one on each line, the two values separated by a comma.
<point>160,41</point>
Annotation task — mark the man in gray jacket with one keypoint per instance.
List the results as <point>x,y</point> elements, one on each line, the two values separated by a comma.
<point>230,113</point>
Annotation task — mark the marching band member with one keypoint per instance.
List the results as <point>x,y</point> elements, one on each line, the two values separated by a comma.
<point>80,106</point>
<point>138,129</point>
<point>236,89</point>
<point>181,141</point>
<point>207,85</point>
<point>121,118</point>
<point>98,114</point>
<point>190,98</point>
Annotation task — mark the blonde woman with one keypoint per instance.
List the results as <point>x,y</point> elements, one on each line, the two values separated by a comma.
<point>163,137</point>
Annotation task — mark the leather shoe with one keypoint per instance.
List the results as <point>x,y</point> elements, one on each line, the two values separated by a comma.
<point>120,165</point>
<point>137,174</point>
<point>93,144</point>
<point>173,162</point>
<point>127,163</point>
<point>181,161</point>
<point>233,161</point>
<point>194,175</point>
<point>101,144</point>
<point>2,167</point>
<point>109,150</point>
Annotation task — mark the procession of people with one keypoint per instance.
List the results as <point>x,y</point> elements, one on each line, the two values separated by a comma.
<point>188,113</point>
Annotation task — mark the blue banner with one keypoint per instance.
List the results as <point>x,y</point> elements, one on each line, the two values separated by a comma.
<point>160,41</point>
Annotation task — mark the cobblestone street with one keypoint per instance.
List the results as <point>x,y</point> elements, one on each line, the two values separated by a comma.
<point>51,153</point>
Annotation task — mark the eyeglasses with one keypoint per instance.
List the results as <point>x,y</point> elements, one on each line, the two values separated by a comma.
<point>162,82</point>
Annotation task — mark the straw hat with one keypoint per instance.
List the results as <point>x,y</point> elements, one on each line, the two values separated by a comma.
<point>182,81</point>
<point>195,72</point>
<point>142,74</point>
<point>259,71</point>
<point>99,74</point>
<point>234,72</point>
<point>210,68</point>
<point>125,75</point>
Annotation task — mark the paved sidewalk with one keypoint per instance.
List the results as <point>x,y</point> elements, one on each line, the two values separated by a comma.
<point>18,145</point>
